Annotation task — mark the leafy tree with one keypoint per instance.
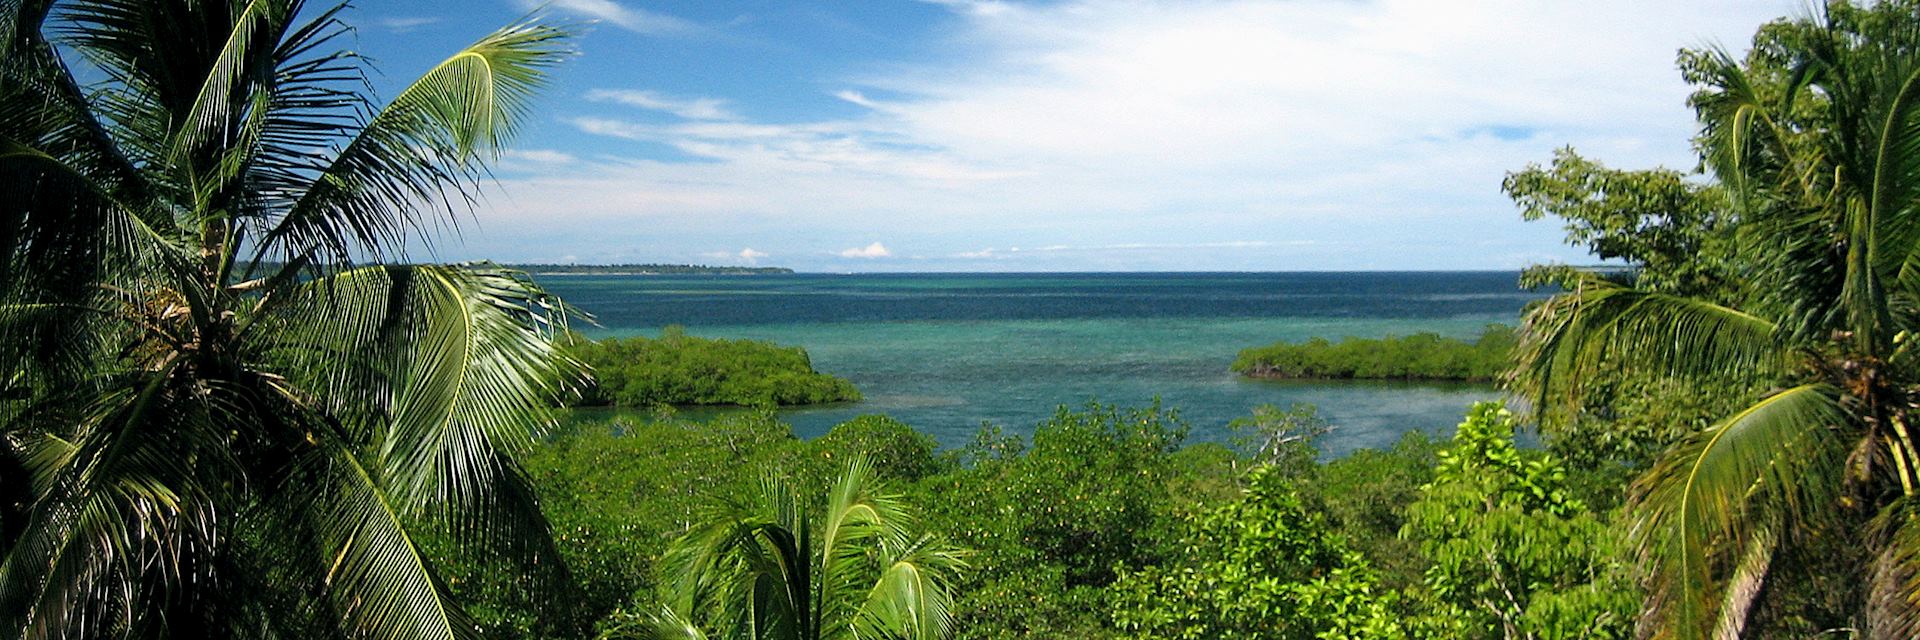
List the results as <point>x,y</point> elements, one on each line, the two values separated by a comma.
<point>227,410</point>
<point>1263,566</point>
<point>1511,548</point>
<point>1669,226</point>
<point>784,567</point>
<point>1815,137</point>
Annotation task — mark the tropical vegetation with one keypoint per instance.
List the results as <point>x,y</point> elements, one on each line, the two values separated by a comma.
<point>1803,320</point>
<point>194,444</point>
<point>1421,356</point>
<point>679,369</point>
<point>785,566</point>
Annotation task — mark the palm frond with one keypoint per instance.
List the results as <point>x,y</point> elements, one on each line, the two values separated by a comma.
<point>913,597</point>
<point>119,516</point>
<point>1570,338</point>
<point>423,148</point>
<point>378,580</point>
<point>456,375</point>
<point>1701,503</point>
<point>782,567</point>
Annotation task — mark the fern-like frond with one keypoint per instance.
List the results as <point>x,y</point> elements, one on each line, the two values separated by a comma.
<point>1568,340</point>
<point>913,598</point>
<point>1700,506</point>
<point>377,579</point>
<point>425,147</point>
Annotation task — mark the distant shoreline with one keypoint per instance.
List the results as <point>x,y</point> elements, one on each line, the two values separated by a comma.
<point>644,270</point>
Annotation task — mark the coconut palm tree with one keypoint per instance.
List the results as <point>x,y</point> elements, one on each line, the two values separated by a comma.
<point>783,567</point>
<point>230,406</point>
<point>1816,136</point>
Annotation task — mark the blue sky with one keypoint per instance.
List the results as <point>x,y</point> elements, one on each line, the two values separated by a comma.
<point>961,135</point>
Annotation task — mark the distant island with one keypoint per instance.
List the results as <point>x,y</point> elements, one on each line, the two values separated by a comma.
<point>679,369</point>
<point>1421,356</point>
<point>645,270</point>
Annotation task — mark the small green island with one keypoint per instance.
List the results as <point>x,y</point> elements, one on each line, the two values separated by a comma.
<point>645,270</point>
<point>679,369</point>
<point>1421,356</point>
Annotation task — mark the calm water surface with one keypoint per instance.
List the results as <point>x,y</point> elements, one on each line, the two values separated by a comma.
<point>947,352</point>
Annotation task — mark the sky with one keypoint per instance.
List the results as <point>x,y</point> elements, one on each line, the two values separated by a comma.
<point>1008,135</point>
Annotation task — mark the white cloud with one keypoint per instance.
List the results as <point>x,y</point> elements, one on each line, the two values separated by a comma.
<point>751,256</point>
<point>689,108</point>
<point>1156,127</point>
<point>407,24</point>
<point>547,156</point>
<point>636,20</point>
<point>856,97</point>
<point>875,250</point>
<point>980,8</point>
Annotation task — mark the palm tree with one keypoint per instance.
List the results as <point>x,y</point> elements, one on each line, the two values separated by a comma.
<point>1816,136</point>
<point>783,568</point>
<point>229,406</point>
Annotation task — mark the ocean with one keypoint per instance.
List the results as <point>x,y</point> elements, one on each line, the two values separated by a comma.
<point>949,352</point>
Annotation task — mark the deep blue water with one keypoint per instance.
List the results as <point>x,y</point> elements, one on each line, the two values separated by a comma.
<point>947,352</point>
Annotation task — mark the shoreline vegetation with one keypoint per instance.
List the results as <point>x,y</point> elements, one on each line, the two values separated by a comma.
<point>677,369</point>
<point>1420,356</point>
<point>644,270</point>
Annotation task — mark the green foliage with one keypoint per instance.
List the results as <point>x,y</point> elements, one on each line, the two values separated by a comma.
<point>1262,566</point>
<point>202,441</point>
<point>1421,356</point>
<point>1052,522</point>
<point>1105,526</point>
<point>896,451</point>
<point>1511,548</point>
<point>1672,228</point>
<point>678,369</point>
<point>785,565</point>
<point>617,495</point>
<point>1366,494</point>
<point>1814,138</point>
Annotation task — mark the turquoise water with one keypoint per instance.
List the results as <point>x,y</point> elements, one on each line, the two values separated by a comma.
<point>947,352</point>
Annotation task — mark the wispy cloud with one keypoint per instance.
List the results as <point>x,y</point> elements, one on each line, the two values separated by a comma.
<point>856,97</point>
<point>636,20</point>
<point>689,108</point>
<point>407,24</point>
<point>875,250</point>
<point>1151,128</point>
<point>543,156</point>
<point>980,8</point>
